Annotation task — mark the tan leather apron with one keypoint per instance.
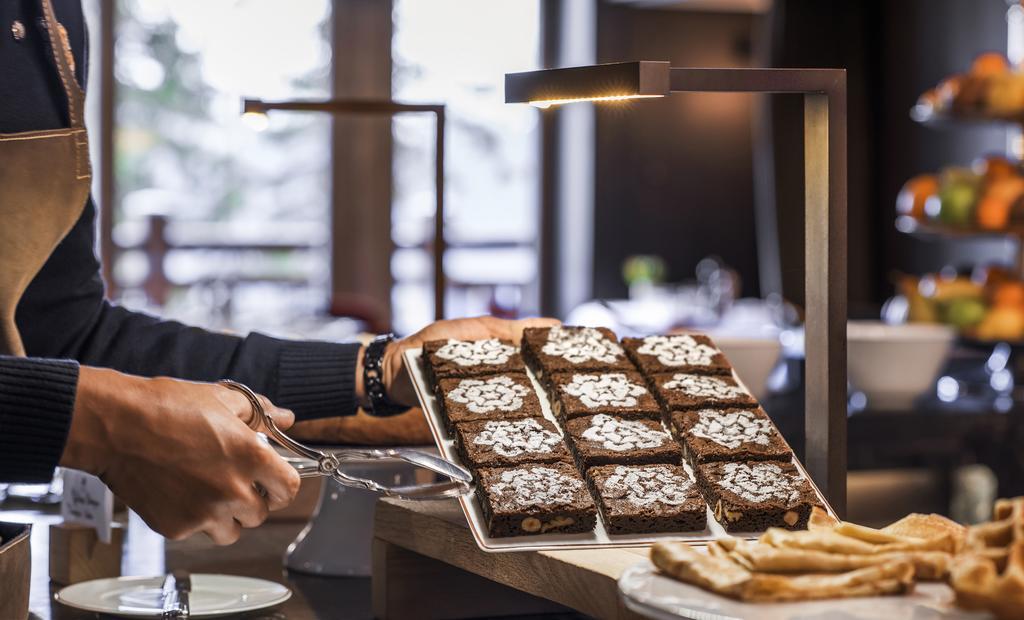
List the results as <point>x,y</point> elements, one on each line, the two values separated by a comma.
<point>44,184</point>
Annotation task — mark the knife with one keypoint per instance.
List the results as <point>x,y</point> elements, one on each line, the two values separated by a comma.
<point>169,597</point>
<point>183,584</point>
<point>174,595</point>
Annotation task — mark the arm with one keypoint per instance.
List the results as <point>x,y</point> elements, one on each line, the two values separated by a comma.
<point>36,400</point>
<point>157,442</point>
<point>63,315</point>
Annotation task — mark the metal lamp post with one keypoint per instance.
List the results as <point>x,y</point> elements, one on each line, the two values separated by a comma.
<point>385,108</point>
<point>824,94</point>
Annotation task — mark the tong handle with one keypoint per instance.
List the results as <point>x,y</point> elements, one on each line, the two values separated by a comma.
<point>327,464</point>
<point>427,461</point>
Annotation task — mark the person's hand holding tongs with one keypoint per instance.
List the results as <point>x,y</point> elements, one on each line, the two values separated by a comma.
<point>314,462</point>
<point>395,386</point>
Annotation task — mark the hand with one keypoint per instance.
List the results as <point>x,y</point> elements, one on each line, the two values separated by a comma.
<point>397,380</point>
<point>179,453</point>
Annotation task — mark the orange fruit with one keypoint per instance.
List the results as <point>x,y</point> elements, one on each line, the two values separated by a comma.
<point>1008,294</point>
<point>990,63</point>
<point>994,275</point>
<point>1002,323</point>
<point>993,210</point>
<point>993,167</point>
<point>910,201</point>
<point>948,89</point>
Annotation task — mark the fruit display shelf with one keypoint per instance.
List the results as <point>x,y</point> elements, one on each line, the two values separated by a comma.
<point>929,116</point>
<point>990,91</point>
<point>930,231</point>
<point>984,312</point>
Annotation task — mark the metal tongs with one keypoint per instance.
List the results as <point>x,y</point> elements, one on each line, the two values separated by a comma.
<point>315,462</point>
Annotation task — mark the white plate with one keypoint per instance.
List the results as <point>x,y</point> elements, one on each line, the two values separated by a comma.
<point>599,537</point>
<point>649,593</point>
<point>139,597</point>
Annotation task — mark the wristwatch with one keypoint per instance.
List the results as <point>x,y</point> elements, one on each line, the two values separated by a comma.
<point>373,379</point>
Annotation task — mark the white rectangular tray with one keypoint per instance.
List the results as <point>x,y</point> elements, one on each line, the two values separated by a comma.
<point>599,538</point>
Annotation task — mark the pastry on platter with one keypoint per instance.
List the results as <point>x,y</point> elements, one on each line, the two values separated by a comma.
<point>725,576</point>
<point>549,350</point>
<point>752,496</point>
<point>694,353</point>
<point>606,440</point>
<point>980,584</point>
<point>836,542</point>
<point>505,396</point>
<point>507,443</point>
<point>916,525</point>
<point>620,393</point>
<point>681,391</point>
<point>928,565</point>
<point>989,573</point>
<point>937,532</point>
<point>535,499</point>
<point>470,358</point>
<point>647,498</point>
<point>831,559</point>
<point>728,434</point>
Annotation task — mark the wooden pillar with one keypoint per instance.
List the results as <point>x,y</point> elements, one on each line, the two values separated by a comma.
<point>361,149</point>
<point>102,136</point>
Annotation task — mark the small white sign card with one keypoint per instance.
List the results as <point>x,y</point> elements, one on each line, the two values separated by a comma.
<point>87,501</point>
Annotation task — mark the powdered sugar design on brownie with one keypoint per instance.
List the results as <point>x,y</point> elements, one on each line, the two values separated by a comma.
<point>760,482</point>
<point>476,352</point>
<point>612,389</point>
<point>537,486</point>
<point>581,345</point>
<point>732,429</point>
<point>644,486</point>
<point>678,350</point>
<point>492,394</point>
<point>512,438</point>
<point>701,386</point>
<point>622,435</point>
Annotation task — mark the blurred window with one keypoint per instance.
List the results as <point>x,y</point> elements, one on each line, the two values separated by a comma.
<point>225,224</point>
<point>214,220</point>
<point>457,52</point>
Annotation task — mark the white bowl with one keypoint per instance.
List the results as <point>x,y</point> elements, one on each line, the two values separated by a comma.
<point>753,358</point>
<point>894,364</point>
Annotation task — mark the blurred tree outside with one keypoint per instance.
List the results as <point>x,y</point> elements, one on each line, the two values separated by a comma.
<point>183,151</point>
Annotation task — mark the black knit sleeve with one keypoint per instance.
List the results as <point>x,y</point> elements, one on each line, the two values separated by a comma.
<point>63,315</point>
<point>37,398</point>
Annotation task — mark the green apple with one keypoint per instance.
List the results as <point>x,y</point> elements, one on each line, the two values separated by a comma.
<point>957,203</point>
<point>965,312</point>
<point>958,193</point>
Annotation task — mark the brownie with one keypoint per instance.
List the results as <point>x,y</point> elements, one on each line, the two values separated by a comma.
<point>470,358</point>
<point>506,396</point>
<point>681,391</point>
<point>506,443</point>
<point>752,496</point>
<point>623,393</point>
<point>639,499</point>
<point>604,439</point>
<point>535,499</point>
<point>728,434</point>
<point>559,349</point>
<point>690,353</point>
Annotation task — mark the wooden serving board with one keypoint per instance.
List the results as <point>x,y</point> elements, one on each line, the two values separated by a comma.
<point>426,563</point>
<point>599,537</point>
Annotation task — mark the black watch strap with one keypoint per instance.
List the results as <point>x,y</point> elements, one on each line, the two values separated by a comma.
<point>373,379</point>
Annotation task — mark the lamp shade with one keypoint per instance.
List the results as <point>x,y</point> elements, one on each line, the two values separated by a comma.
<point>608,82</point>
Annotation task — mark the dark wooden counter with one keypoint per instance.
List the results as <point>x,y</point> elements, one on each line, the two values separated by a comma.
<point>257,554</point>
